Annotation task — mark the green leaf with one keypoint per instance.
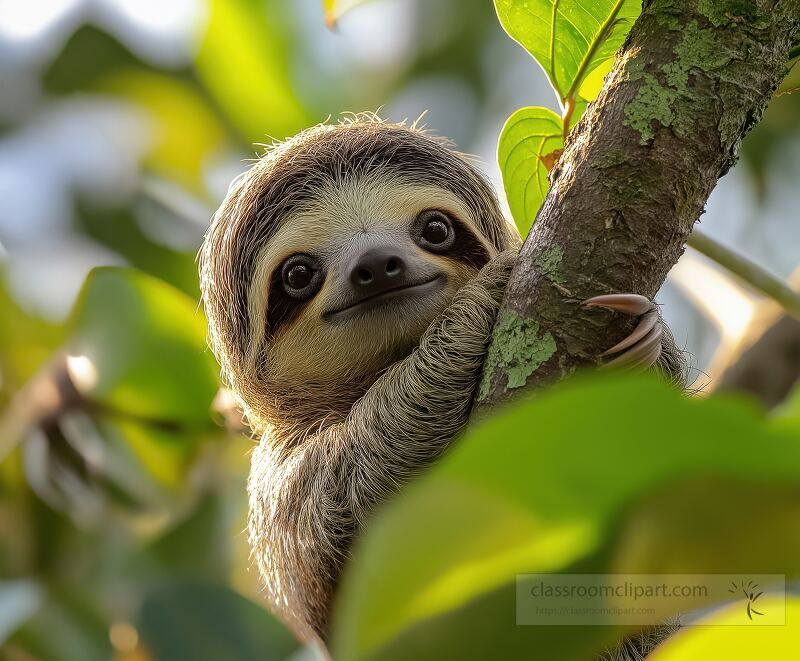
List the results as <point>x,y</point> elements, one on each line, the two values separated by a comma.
<point>243,63</point>
<point>568,38</point>
<point>206,622</point>
<point>721,635</point>
<point>607,476</point>
<point>119,229</point>
<point>139,347</point>
<point>590,87</point>
<point>529,140</point>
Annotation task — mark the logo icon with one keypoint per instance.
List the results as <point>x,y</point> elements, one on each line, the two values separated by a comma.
<point>749,591</point>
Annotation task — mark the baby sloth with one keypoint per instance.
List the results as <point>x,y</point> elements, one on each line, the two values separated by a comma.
<point>351,280</point>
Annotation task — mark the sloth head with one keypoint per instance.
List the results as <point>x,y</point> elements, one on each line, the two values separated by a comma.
<point>330,257</point>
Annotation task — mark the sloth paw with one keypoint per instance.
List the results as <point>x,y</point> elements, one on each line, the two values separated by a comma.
<point>642,348</point>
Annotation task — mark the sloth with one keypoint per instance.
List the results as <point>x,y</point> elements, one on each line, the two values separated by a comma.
<point>351,280</point>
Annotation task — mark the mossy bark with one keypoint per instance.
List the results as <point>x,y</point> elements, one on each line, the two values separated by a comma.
<point>692,79</point>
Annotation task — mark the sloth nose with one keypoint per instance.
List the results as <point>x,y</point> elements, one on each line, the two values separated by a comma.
<point>377,269</point>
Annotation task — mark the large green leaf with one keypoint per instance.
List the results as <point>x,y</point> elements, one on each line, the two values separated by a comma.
<point>529,143</point>
<point>610,476</point>
<point>568,38</point>
<point>719,637</point>
<point>139,348</point>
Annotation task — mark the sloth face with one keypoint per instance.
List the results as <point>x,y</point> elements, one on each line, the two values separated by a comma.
<point>333,253</point>
<point>349,283</point>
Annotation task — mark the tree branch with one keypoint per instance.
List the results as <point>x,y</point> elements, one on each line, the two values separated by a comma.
<point>692,79</point>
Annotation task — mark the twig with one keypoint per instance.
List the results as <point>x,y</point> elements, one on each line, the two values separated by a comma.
<point>750,272</point>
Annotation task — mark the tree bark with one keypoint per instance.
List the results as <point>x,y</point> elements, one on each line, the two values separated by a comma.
<point>692,79</point>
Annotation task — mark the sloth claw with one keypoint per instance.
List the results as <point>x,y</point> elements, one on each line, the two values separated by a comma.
<point>642,348</point>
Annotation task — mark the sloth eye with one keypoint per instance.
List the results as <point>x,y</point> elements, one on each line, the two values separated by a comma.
<point>301,276</point>
<point>435,231</point>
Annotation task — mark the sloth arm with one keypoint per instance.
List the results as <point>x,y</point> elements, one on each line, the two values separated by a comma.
<point>411,413</point>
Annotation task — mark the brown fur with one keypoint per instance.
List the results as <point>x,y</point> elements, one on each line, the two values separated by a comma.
<point>377,411</point>
<point>348,415</point>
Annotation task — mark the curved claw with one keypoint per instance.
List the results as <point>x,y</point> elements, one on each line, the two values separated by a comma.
<point>648,322</point>
<point>632,304</point>
<point>642,348</point>
<point>643,354</point>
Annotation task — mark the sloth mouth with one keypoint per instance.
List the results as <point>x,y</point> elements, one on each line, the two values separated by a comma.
<point>374,300</point>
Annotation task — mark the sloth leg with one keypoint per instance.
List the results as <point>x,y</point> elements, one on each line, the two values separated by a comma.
<point>650,345</point>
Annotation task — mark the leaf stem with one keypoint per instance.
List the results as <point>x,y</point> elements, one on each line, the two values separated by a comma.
<point>750,272</point>
<point>569,108</point>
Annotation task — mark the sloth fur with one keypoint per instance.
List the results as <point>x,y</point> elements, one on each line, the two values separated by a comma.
<point>349,412</point>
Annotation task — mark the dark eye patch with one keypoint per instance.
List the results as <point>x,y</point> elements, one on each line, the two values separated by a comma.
<point>467,247</point>
<point>282,309</point>
<point>293,285</point>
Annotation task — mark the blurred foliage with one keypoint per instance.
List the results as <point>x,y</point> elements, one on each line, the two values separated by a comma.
<point>724,641</point>
<point>187,131</point>
<point>243,63</point>
<point>335,9</point>
<point>208,623</point>
<point>436,576</point>
<point>152,349</point>
<point>122,501</point>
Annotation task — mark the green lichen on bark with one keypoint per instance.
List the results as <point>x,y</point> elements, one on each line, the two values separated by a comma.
<point>652,103</point>
<point>517,351</point>
<point>721,13</point>
<point>549,263</point>
<point>672,103</point>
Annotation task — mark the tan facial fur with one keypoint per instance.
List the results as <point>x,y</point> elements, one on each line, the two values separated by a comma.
<point>342,220</point>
